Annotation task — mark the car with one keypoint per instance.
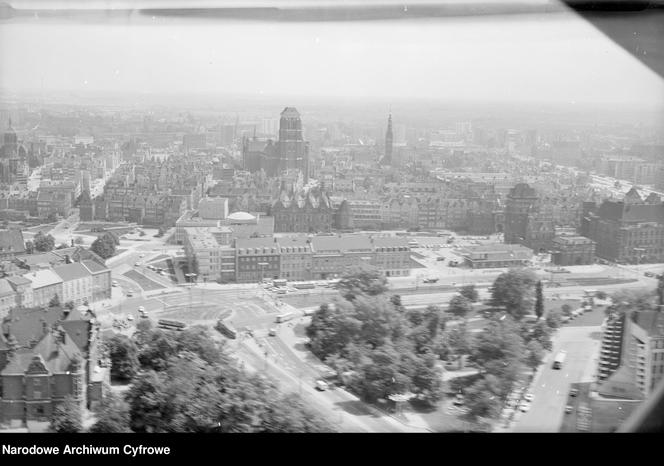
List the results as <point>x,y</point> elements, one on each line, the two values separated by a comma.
<point>528,397</point>
<point>574,392</point>
<point>129,294</point>
<point>440,259</point>
<point>282,291</point>
<point>114,283</point>
<point>272,332</point>
<point>137,264</point>
<point>430,280</point>
<point>309,312</point>
<point>321,385</point>
<point>130,317</point>
<point>569,409</point>
<point>649,274</point>
<point>141,256</point>
<point>524,407</point>
<point>458,400</point>
<point>141,309</point>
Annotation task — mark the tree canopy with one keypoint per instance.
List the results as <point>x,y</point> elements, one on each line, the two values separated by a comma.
<point>104,246</point>
<point>67,417</point>
<point>469,292</point>
<point>460,306</point>
<point>43,243</point>
<point>387,348</point>
<point>362,280</point>
<point>513,291</point>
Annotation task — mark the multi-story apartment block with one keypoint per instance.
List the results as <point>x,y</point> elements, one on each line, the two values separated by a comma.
<point>76,283</point>
<point>631,230</point>
<point>45,285</point>
<point>257,259</point>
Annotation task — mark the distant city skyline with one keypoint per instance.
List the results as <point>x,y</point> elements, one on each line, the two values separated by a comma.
<point>557,58</point>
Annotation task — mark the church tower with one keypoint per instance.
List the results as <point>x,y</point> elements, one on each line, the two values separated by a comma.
<point>293,151</point>
<point>389,138</point>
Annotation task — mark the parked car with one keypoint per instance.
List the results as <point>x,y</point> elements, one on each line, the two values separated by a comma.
<point>574,392</point>
<point>114,283</point>
<point>528,397</point>
<point>569,409</point>
<point>524,407</point>
<point>649,274</point>
<point>321,385</point>
<point>458,400</point>
<point>272,332</point>
<point>309,312</point>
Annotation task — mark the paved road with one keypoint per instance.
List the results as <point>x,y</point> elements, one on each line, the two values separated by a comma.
<point>551,387</point>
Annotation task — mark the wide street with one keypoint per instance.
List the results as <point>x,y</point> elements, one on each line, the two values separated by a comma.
<point>551,386</point>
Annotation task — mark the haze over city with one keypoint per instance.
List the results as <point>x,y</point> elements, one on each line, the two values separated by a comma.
<point>301,221</point>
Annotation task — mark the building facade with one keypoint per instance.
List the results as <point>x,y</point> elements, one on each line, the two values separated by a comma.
<point>573,250</point>
<point>627,231</point>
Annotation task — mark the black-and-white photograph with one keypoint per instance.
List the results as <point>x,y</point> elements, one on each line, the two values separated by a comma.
<point>335,216</point>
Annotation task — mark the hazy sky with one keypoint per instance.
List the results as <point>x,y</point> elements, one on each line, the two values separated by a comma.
<point>554,57</point>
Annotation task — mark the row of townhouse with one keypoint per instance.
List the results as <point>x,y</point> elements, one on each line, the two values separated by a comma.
<point>82,282</point>
<point>435,212</point>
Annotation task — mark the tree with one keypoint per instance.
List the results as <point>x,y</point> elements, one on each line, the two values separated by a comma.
<point>499,349</point>
<point>29,247</point>
<point>512,290</point>
<point>55,301</point>
<point>484,398</point>
<point>535,354</point>
<point>553,319</point>
<point>104,246</point>
<point>67,417</point>
<point>470,292</point>
<point>660,291</point>
<point>457,342</point>
<point>566,309</point>
<point>601,295</point>
<point>124,358</point>
<point>539,300</point>
<point>44,243</point>
<point>460,306</point>
<point>52,217</point>
<point>112,416</point>
<point>362,280</point>
<point>70,305</point>
<point>78,240</point>
<point>227,400</point>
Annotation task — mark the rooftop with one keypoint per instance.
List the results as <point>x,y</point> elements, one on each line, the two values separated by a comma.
<point>72,271</point>
<point>42,278</point>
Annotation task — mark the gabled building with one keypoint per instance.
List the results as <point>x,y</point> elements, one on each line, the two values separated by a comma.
<point>46,355</point>
<point>11,244</point>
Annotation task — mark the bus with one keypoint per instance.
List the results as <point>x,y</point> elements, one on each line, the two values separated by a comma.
<point>226,330</point>
<point>560,359</point>
<point>171,324</point>
<point>285,317</point>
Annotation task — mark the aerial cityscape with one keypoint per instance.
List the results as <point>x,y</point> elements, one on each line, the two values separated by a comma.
<point>221,254</point>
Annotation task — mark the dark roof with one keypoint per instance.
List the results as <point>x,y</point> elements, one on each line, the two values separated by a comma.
<point>94,266</point>
<point>72,271</point>
<point>11,241</point>
<point>78,331</point>
<point>27,324</point>
<point>650,321</point>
